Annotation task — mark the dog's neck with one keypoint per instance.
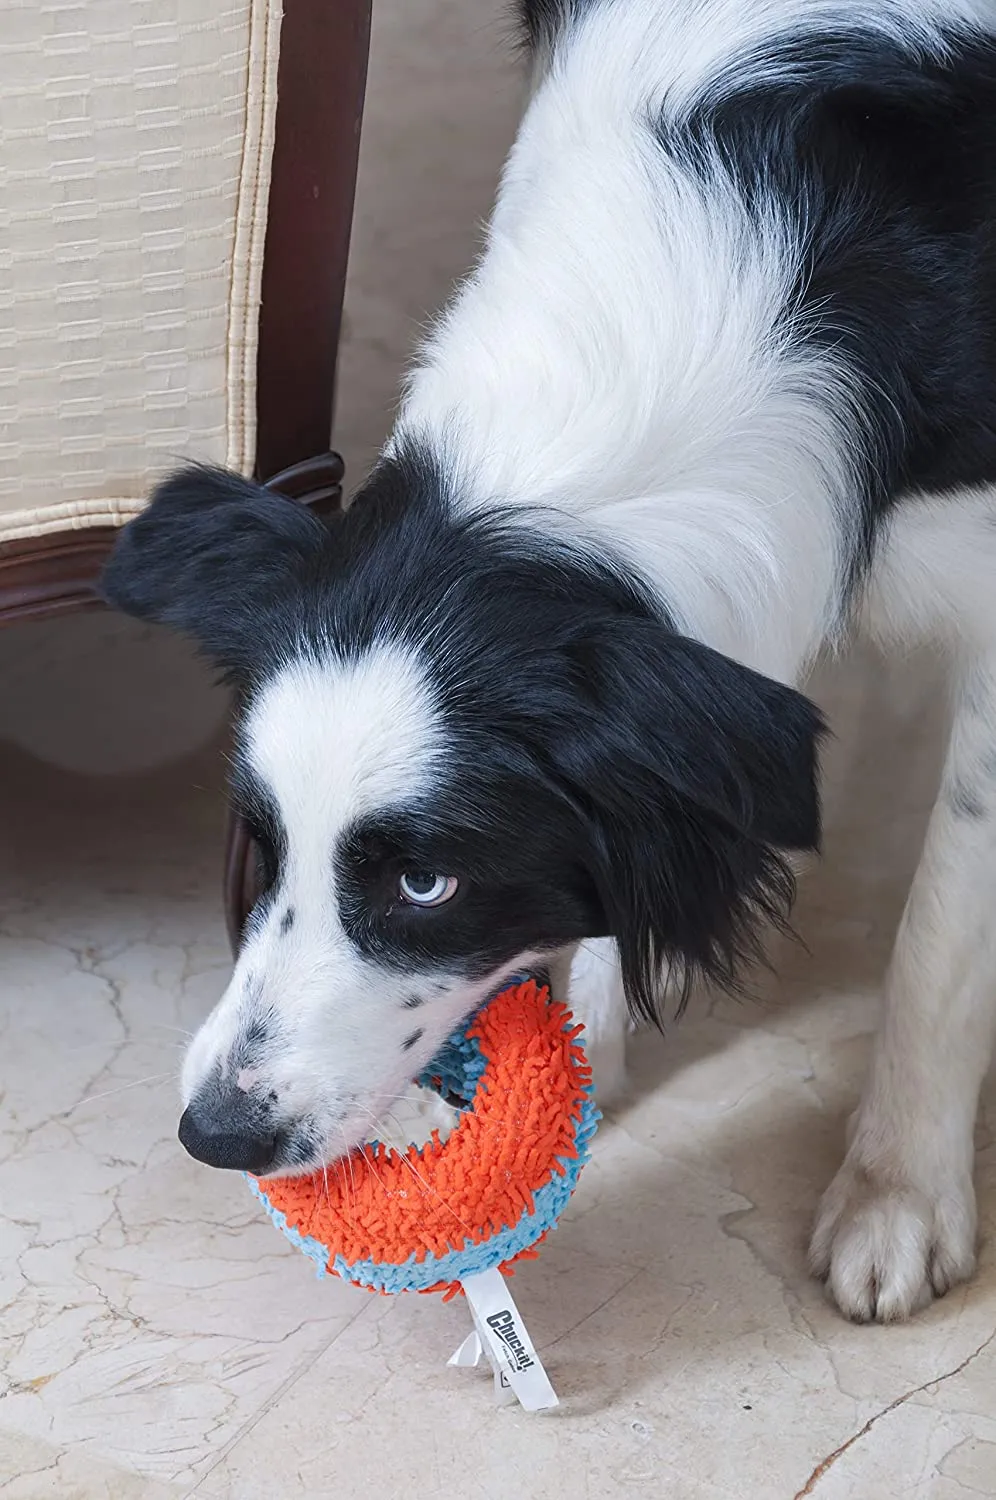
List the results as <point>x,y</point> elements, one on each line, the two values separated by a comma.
<point>620,364</point>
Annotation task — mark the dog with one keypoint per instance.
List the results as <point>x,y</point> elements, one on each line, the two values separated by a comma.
<point>720,390</point>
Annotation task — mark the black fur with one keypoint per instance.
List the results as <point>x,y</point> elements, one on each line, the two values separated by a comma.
<point>888,161</point>
<point>887,158</point>
<point>605,773</point>
<point>542,21</point>
<point>643,784</point>
<point>214,556</point>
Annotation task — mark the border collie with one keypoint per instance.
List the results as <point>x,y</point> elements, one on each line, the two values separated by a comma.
<point>721,387</point>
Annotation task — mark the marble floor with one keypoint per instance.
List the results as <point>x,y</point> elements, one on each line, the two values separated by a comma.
<point>159,1339</point>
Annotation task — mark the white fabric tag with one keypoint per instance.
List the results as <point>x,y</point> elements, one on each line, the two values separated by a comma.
<point>501,1333</point>
<point>468,1356</point>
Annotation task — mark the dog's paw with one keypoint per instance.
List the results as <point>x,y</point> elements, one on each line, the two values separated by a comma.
<point>886,1247</point>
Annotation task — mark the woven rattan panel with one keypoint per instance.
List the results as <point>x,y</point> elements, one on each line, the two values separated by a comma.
<point>135,144</point>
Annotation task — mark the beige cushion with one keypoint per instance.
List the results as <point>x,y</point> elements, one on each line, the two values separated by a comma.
<point>135,145</point>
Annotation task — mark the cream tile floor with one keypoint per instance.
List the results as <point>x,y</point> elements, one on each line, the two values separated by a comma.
<point>158,1339</point>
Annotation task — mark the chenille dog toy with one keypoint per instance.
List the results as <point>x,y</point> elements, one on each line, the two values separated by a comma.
<point>456,1214</point>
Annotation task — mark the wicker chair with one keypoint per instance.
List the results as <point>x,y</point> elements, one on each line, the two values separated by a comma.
<point>175,205</point>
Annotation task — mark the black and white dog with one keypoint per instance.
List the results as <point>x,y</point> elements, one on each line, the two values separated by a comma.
<point>722,385</point>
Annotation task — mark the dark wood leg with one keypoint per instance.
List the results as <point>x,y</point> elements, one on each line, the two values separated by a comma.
<point>322,75</point>
<point>240,879</point>
<point>321,83</point>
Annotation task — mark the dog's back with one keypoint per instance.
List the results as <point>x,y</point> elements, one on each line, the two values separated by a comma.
<point>740,283</point>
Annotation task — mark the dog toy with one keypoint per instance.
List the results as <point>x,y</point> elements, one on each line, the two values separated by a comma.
<point>455,1215</point>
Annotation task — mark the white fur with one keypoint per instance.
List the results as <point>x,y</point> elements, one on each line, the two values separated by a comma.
<point>331,741</point>
<point>699,46</point>
<point>623,355</point>
<point>933,578</point>
<point>897,1225</point>
<point>618,363</point>
<point>621,364</point>
<point>624,365</point>
<point>589,979</point>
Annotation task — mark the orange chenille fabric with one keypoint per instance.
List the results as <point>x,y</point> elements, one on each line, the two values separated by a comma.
<point>388,1207</point>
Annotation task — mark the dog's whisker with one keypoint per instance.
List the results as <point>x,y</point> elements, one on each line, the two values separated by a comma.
<point>425,1184</point>
<point>347,1160</point>
<point>593,952</point>
<point>136,1083</point>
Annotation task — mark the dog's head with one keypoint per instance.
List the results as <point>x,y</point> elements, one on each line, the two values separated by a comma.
<point>461,747</point>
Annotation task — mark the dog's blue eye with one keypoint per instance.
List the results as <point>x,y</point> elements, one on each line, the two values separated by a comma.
<point>426,888</point>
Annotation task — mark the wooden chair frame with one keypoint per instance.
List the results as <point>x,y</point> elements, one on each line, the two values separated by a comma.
<point>321,80</point>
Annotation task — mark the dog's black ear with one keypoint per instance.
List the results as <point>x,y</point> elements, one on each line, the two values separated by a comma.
<point>694,774</point>
<point>208,556</point>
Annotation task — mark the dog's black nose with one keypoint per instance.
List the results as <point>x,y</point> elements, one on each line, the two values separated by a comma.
<point>226,1140</point>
